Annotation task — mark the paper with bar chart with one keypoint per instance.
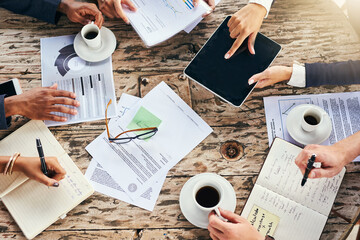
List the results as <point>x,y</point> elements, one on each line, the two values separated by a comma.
<point>158,20</point>
<point>92,83</point>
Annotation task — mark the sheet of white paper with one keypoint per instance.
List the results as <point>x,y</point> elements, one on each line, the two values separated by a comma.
<point>343,109</point>
<point>189,28</point>
<point>157,20</point>
<point>92,83</point>
<point>105,184</point>
<point>137,164</point>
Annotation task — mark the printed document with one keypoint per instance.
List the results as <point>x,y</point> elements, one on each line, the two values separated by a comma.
<point>105,184</point>
<point>157,20</point>
<point>343,109</point>
<point>136,165</point>
<point>189,28</point>
<point>92,83</point>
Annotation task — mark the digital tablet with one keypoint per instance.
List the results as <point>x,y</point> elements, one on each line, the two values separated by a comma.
<point>228,78</point>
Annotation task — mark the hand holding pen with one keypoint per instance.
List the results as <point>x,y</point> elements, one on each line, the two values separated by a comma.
<point>332,159</point>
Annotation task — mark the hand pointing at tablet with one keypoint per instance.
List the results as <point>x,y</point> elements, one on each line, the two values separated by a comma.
<point>245,23</point>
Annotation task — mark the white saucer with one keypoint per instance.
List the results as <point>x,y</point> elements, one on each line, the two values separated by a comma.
<point>108,45</point>
<point>187,204</point>
<point>293,125</point>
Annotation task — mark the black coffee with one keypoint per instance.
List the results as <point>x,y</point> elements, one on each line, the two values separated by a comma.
<point>311,120</point>
<point>91,35</point>
<point>207,197</point>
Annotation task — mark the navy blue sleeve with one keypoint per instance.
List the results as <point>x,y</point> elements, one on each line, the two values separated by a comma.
<point>4,122</point>
<point>42,9</point>
<point>339,73</point>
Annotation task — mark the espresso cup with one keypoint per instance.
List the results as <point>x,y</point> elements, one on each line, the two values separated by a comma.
<point>90,33</point>
<point>208,195</point>
<point>311,119</point>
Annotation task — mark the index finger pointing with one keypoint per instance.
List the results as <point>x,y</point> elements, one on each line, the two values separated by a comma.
<point>235,46</point>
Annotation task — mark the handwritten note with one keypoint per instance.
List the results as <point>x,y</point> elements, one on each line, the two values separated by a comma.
<point>264,221</point>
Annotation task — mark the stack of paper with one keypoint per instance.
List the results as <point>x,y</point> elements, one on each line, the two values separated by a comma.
<point>134,172</point>
<point>158,20</point>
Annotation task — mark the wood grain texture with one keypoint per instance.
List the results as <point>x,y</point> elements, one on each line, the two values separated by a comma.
<point>309,31</point>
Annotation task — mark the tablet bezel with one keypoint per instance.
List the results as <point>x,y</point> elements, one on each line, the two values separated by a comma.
<point>212,90</point>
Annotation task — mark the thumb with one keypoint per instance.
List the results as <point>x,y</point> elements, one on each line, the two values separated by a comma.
<point>232,217</point>
<point>47,181</point>
<point>251,42</point>
<point>80,19</point>
<point>54,86</point>
<point>257,77</point>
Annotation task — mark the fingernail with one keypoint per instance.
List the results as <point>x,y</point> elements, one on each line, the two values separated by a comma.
<point>56,184</point>
<point>251,81</point>
<point>195,4</point>
<point>208,12</point>
<point>253,49</point>
<point>77,103</point>
<point>227,56</point>
<point>63,119</point>
<point>128,22</point>
<point>312,175</point>
<point>74,111</point>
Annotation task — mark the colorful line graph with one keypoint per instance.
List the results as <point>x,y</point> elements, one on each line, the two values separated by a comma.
<point>171,7</point>
<point>189,4</point>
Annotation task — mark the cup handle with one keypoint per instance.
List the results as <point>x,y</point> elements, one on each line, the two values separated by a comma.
<point>217,211</point>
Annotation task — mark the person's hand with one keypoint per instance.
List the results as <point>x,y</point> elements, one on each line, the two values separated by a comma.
<point>38,103</point>
<point>211,4</point>
<point>332,158</point>
<point>271,76</point>
<point>114,8</point>
<point>31,167</point>
<point>81,12</point>
<point>238,228</point>
<point>245,23</point>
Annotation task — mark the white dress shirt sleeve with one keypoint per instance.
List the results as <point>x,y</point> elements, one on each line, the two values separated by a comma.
<point>298,76</point>
<point>265,3</point>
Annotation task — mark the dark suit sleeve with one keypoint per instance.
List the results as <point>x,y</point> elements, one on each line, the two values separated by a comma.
<point>4,122</point>
<point>42,9</point>
<point>339,73</point>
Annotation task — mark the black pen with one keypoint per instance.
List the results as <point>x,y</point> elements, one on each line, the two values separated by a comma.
<point>308,169</point>
<point>41,155</point>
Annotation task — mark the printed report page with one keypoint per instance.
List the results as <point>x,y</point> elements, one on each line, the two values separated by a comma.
<point>157,20</point>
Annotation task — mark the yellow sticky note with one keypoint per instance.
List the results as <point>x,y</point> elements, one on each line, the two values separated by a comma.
<point>264,221</point>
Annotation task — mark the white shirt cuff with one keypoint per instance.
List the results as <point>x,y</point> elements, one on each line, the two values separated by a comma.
<point>265,3</point>
<point>298,76</point>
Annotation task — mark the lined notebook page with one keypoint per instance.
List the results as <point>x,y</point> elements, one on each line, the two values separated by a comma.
<point>297,222</point>
<point>281,175</point>
<point>35,206</point>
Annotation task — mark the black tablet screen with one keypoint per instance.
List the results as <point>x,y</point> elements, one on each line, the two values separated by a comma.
<point>228,78</point>
<point>7,88</point>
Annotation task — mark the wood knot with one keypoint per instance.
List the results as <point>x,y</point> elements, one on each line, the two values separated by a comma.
<point>182,77</point>
<point>144,81</point>
<point>232,151</point>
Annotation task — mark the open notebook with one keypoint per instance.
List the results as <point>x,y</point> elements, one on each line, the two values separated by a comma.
<point>279,206</point>
<point>33,205</point>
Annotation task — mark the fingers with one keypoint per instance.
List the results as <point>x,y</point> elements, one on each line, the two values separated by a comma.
<point>258,77</point>
<point>196,3</point>
<point>130,5</point>
<point>232,217</point>
<point>63,93</point>
<point>251,42</point>
<point>41,178</point>
<point>80,19</point>
<point>235,46</point>
<point>65,101</point>
<point>301,160</point>
<point>54,167</point>
<point>213,237</point>
<point>54,86</point>
<point>120,12</point>
<point>322,173</point>
<point>215,233</point>
<point>55,118</point>
<point>215,222</point>
<point>63,109</point>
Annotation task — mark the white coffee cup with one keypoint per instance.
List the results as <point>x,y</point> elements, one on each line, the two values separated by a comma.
<point>311,119</point>
<point>208,184</point>
<point>90,33</point>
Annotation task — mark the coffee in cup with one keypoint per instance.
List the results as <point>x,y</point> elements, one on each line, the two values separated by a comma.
<point>311,119</point>
<point>208,195</point>
<point>91,35</point>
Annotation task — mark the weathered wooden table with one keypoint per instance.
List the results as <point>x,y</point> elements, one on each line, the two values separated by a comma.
<point>309,31</point>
